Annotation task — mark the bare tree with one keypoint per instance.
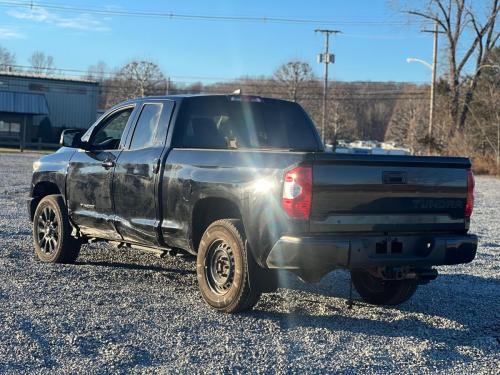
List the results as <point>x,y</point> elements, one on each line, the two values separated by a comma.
<point>294,75</point>
<point>483,124</point>
<point>97,72</point>
<point>408,124</point>
<point>486,124</point>
<point>369,107</point>
<point>7,59</point>
<point>194,88</point>
<point>41,63</point>
<point>142,78</point>
<point>136,79</point>
<point>454,18</point>
<point>341,122</point>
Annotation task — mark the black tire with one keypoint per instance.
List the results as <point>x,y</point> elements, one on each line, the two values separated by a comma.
<point>225,270</point>
<point>52,232</point>
<point>382,292</point>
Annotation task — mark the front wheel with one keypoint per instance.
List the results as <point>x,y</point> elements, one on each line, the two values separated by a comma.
<point>52,232</point>
<point>376,291</point>
<point>225,270</point>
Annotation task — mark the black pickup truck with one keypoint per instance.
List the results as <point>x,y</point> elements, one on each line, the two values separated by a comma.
<point>244,183</point>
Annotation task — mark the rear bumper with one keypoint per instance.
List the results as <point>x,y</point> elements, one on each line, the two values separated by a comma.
<point>328,252</point>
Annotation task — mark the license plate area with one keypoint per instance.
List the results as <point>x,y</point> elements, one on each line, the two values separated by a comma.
<point>396,251</point>
<point>389,245</point>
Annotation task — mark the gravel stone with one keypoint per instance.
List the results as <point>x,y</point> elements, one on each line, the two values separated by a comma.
<point>123,311</point>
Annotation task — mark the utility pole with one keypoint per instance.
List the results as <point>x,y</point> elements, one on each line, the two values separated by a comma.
<point>433,82</point>
<point>325,58</point>
<point>22,140</point>
<point>498,148</point>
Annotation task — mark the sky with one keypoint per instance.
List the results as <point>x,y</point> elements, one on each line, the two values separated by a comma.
<point>375,42</point>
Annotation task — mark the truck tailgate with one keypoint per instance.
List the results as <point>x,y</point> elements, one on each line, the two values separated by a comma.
<point>386,193</point>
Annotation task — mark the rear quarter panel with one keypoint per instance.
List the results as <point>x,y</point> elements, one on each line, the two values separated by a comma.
<point>252,180</point>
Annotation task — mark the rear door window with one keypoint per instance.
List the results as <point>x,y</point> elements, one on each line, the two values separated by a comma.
<point>145,129</point>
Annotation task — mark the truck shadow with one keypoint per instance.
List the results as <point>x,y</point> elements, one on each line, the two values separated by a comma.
<point>454,317</point>
<point>431,343</point>
<point>135,266</point>
<point>456,308</point>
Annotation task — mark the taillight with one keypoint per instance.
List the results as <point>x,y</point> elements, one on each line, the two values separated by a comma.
<point>297,193</point>
<point>469,203</point>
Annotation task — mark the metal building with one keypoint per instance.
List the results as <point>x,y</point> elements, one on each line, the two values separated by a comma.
<point>36,108</point>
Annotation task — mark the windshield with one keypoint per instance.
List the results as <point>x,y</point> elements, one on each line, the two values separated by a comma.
<point>244,123</point>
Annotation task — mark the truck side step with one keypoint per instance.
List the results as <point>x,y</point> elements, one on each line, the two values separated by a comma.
<point>157,251</point>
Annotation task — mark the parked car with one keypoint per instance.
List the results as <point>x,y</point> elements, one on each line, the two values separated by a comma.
<point>243,183</point>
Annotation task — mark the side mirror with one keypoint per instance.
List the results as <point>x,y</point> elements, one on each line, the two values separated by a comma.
<point>71,138</point>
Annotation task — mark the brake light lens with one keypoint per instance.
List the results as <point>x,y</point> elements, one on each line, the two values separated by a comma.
<point>469,202</point>
<point>297,192</point>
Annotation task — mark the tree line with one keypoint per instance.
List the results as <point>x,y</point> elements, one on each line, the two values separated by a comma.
<point>39,63</point>
<point>381,111</point>
<point>467,108</point>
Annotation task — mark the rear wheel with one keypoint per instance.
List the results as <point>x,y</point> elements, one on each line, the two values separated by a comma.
<point>52,232</point>
<point>225,270</point>
<point>377,291</point>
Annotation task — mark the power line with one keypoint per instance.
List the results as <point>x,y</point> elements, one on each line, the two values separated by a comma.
<point>392,91</point>
<point>87,75</point>
<point>230,85</point>
<point>69,90</point>
<point>179,86</point>
<point>187,16</point>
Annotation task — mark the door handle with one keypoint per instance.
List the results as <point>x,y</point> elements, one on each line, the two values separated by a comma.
<point>156,166</point>
<point>108,164</point>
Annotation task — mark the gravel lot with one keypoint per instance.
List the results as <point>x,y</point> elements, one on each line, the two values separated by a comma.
<point>123,311</point>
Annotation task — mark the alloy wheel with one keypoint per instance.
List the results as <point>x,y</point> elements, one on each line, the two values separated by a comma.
<point>48,230</point>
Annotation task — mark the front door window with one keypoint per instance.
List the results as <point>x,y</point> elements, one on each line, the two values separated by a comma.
<point>110,132</point>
